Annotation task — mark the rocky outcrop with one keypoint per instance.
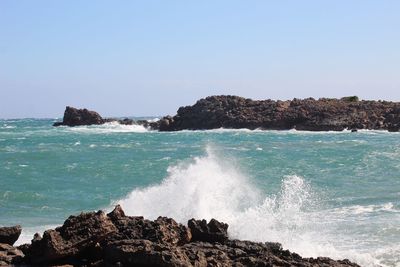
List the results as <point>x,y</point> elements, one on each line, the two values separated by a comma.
<point>10,255</point>
<point>114,239</point>
<point>82,117</point>
<point>214,231</point>
<point>9,235</point>
<point>324,114</point>
<point>78,117</point>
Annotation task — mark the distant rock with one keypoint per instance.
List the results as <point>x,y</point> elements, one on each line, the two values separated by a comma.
<point>78,117</point>
<point>324,114</point>
<point>9,235</point>
<point>81,117</point>
<point>97,239</point>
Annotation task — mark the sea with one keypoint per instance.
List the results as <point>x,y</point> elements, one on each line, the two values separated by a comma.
<point>333,194</point>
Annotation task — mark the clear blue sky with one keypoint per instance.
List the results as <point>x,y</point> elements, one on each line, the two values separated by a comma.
<point>150,57</point>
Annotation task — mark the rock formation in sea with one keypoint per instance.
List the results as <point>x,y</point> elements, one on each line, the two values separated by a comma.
<point>325,114</point>
<point>81,117</point>
<point>226,111</point>
<point>114,239</point>
<point>77,117</point>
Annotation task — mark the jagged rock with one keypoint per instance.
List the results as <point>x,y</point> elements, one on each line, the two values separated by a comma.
<point>97,239</point>
<point>9,235</point>
<point>214,231</point>
<point>307,114</point>
<point>78,237</point>
<point>10,255</point>
<point>139,252</point>
<point>162,230</point>
<point>77,117</point>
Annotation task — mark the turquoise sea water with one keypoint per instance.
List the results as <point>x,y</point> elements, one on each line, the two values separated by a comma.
<point>319,194</point>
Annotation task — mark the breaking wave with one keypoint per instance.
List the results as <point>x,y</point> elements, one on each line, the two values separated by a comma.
<point>208,187</point>
<point>110,127</point>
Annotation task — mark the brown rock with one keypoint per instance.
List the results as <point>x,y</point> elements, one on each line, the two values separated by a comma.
<point>10,255</point>
<point>77,117</point>
<point>78,237</point>
<point>302,114</point>
<point>139,252</point>
<point>96,239</point>
<point>162,230</point>
<point>9,235</point>
<point>214,231</point>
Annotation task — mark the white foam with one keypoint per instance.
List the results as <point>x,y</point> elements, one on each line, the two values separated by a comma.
<point>111,127</point>
<point>366,209</point>
<point>153,120</point>
<point>201,194</point>
<point>288,132</point>
<point>208,187</point>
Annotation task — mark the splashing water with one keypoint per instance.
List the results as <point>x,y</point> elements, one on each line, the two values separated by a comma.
<point>210,188</point>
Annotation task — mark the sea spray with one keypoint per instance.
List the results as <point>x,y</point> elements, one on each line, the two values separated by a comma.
<point>106,128</point>
<point>204,188</point>
<point>209,187</point>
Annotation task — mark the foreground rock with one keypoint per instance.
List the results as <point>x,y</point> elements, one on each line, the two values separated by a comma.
<point>9,235</point>
<point>308,114</point>
<point>10,255</point>
<point>114,239</point>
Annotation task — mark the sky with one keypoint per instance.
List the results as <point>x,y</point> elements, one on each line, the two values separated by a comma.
<point>139,58</point>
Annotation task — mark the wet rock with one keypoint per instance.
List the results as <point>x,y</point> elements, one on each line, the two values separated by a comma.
<point>214,231</point>
<point>9,235</point>
<point>126,121</point>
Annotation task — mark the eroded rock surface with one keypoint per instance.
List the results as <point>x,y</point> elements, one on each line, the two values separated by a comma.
<point>9,235</point>
<point>78,117</point>
<point>10,255</point>
<point>97,239</point>
<point>82,117</point>
<point>324,114</point>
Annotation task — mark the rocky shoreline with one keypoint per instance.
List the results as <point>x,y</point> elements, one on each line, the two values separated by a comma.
<point>233,112</point>
<point>114,239</point>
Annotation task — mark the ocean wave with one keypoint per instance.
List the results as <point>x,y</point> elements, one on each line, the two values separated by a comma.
<point>5,126</point>
<point>289,132</point>
<point>110,127</point>
<point>213,187</point>
<point>366,209</point>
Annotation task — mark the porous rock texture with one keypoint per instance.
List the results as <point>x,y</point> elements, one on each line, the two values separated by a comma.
<point>325,114</point>
<point>8,235</point>
<point>114,239</point>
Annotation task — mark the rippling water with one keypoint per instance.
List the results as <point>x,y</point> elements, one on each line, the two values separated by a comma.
<point>319,194</point>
